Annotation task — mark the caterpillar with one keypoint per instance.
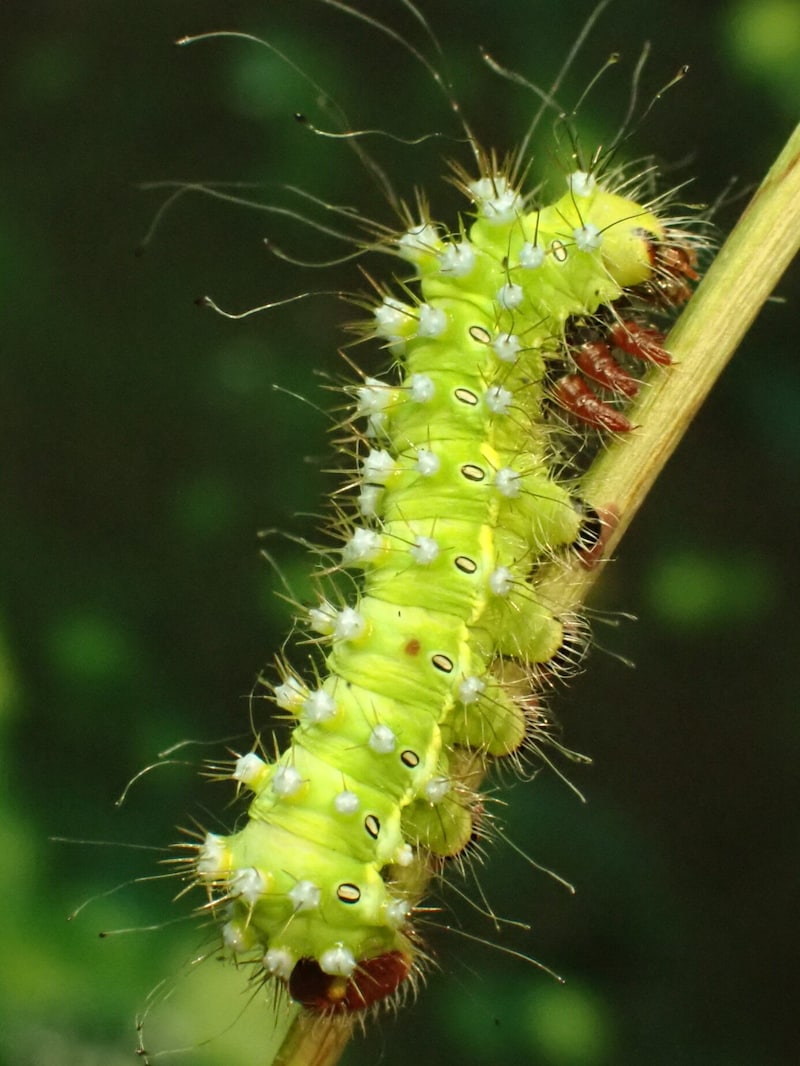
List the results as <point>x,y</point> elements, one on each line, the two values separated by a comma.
<point>517,318</point>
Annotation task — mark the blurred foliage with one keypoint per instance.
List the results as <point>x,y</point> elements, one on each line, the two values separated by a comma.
<point>144,446</point>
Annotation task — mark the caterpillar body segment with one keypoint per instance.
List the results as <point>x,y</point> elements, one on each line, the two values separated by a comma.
<point>458,502</point>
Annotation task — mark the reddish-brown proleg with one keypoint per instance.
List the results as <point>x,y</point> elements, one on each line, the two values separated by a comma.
<point>674,267</point>
<point>573,394</point>
<point>373,980</point>
<point>673,270</point>
<point>642,342</point>
<point>594,359</point>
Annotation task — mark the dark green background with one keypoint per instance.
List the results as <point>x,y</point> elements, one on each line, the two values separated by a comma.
<point>143,448</point>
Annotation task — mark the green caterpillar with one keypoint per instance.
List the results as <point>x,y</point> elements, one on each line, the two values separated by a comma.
<point>455,502</point>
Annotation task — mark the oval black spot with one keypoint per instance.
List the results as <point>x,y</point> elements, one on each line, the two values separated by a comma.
<point>372,826</point>
<point>348,893</point>
<point>559,252</point>
<point>409,758</point>
<point>441,662</point>
<point>472,472</point>
<point>465,564</point>
<point>481,335</point>
<point>466,396</point>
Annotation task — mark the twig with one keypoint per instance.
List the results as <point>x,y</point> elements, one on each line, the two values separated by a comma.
<point>314,1041</point>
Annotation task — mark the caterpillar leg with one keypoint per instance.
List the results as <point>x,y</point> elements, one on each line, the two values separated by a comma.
<point>595,361</point>
<point>642,342</point>
<point>674,267</point>
<point>573,394</point>
<point>373,981</point>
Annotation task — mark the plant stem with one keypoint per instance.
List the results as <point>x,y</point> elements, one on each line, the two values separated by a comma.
<point>703,340</point>
<point>313,1041</point>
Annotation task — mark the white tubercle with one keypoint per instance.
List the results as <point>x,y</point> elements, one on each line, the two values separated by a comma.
<point>397,913</point>
<point>373,397</point>
<point>369,500</point>
<point>500,581</point>
<point>457,259</point>
<point>377,466</point>
<point>432,321</point>
<point>437,788</point>
<point>279,962</point>
<point>286,781</point>
<point>581,183</point>
<point>320,706</point>
<point>249,768</point>
<point>392,318</point>
<point>507,482</point>
<point>249,885</point>
<point>376,425</point>
<point>404,856</point>
<point>507,347</point>
<point>213,858</point>
<point>236,938</point>
<point>424,551</point>
<point>588,237</point>
<point>510,295</point>
<point>421,388</point>
<point>322,618</point>
<point>498,399</point>
<point>382,740</point>
<point>350,625</point>
<point>496,200</point>
<point>427,463</point>
<point>305,896</point>
<point>290,694</point>
<point>419,241</point>
<point>346,802</point>
<point>471,689</point>
<point>338,961</point>
<point>531,256</point>
<point>363,547</point>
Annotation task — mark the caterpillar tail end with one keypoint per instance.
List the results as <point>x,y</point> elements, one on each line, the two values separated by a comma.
<point>374,980</point>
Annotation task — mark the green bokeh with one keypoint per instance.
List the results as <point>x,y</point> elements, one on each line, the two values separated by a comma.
<point>568,1026</point>
<point>764,39</point>
<point>144,449</point>
<point>696,591</point>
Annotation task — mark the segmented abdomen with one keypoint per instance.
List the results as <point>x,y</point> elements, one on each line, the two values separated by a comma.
<point>457,504</point>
